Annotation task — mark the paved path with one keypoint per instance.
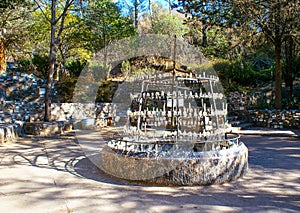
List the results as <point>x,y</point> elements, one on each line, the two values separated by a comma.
<point>53,175</point>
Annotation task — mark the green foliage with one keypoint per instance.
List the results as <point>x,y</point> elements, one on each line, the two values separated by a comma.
<point>242,31</point>
<point>217,44</point>
<point>297,66</point>
<point>66,85</point>
<point>15,19</point>
<point>75,67</point>
<point>168,24</point>
<point>125,68</point>
<point>11,4</point>
<point>139,72</point>
<point>41,65</point>
<point>38,65</point>
<point>98,71</point>
<point>66,89</point>
<point>278,21</point>
<point>106,91</point>
<point>73,46</point>
<point>206,15</point>
<point>104,24</point>
<point>211,12</point>
<point>237,75</point>
<point>39,31</point>
<point>290,102</point>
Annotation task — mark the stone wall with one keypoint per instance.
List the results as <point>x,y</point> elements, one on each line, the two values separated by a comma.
<point>242,105</point>
<point>27,117</point>
<point>277,119</point>
<point>239,101</point>
<point>22,86</point>
<point>43,128</point>
<point>11,111</point>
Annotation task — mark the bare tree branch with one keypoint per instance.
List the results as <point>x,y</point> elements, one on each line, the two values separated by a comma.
<point>43,12</point>
<point>66,8</point>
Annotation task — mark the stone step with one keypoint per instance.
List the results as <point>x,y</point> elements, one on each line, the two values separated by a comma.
<point>236,129</point>
<point>236,122</point>
<point>232,118</point>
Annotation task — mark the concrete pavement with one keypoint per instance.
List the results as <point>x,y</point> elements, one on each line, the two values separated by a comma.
<point>53,175</point>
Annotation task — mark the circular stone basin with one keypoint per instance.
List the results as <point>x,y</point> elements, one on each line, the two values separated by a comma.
<point>184,168</point>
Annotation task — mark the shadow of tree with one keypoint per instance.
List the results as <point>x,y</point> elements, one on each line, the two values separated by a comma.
<point>53,173</point>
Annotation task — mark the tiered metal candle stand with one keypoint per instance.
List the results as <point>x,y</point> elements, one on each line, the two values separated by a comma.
<point>176,134</point>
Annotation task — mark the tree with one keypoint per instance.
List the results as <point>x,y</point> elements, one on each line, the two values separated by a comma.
<point>57,22</point>
<point>168,24</point>
<point>104,23</point>
<point>72,46</point>
<point>290,66</point>
<point>277,20</point>
<point>2,51</point>
<point>14,21</point>
<point>208,12</point>
<point>291,49</point>
<point>134,8</point>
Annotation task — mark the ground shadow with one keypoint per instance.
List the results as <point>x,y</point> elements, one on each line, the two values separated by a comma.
<point>267,186</point>
<point>87,169</point>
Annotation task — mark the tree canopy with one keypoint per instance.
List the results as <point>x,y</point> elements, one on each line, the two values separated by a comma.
<point>243,38</point>
<point>14,22</point>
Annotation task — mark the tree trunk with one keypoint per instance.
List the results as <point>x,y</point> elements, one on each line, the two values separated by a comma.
<point>204,35</point>
<point>136,13</point>
<point>289,68</point>
<point>277,44</point>
<point>52,60</point>
<point>278,95</point>
<point>2,55</point>
<point>150,13</point>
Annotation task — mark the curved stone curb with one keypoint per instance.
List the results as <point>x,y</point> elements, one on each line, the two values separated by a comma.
<point>214,167</point>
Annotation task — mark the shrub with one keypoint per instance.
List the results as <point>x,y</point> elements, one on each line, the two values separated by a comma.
<point>75,67</point>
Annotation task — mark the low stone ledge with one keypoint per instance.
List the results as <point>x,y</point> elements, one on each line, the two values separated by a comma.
<point>44,128</point>
<point>8,133</point>
<point>277,119</point>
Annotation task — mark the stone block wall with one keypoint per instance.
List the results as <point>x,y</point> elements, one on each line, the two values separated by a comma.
<point>43,128</point>
<point>28,116</point>
<point>239,101</point>
<point>243,104</point>
<point>277,119</point>
<point>19,86</point>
